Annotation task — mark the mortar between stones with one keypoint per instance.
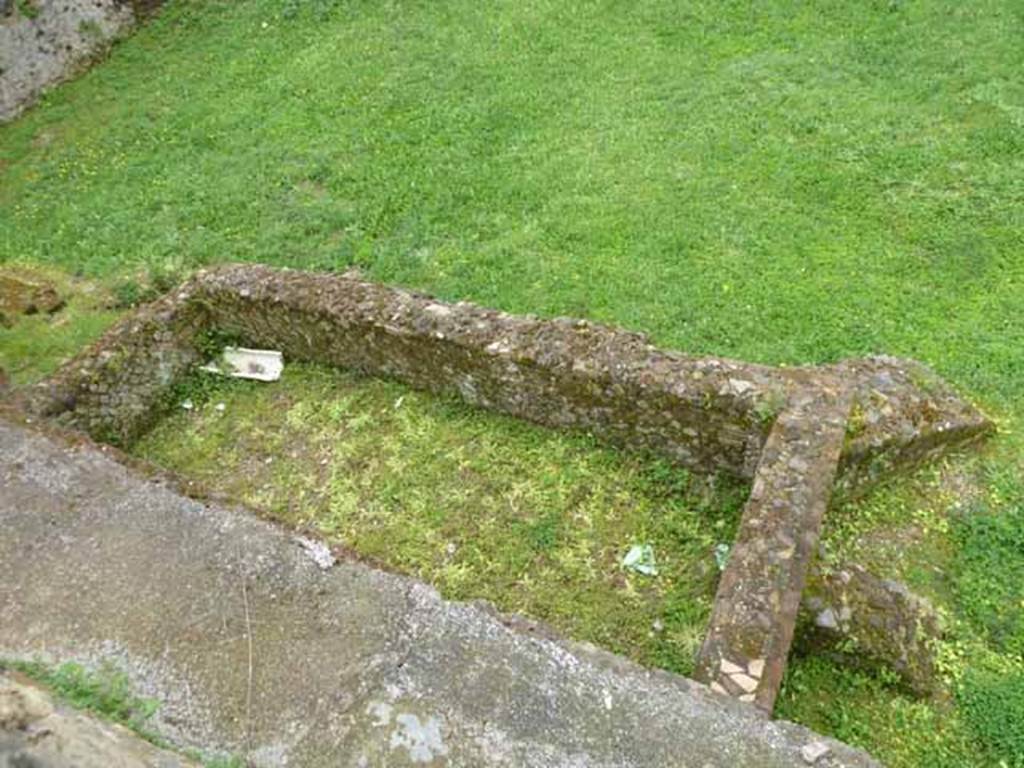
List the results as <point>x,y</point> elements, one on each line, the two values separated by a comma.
<point>842,426</point>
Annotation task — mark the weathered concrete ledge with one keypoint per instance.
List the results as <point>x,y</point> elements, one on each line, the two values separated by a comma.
<point>253,648</point>
<point>43,42</point>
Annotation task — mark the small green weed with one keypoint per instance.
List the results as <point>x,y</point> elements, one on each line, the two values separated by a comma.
<point>27,8</point>
<point>768,407</point>
<point>212,342</point>
<point>150,284</point>
<point>105,691</point>
<point>130,293</point>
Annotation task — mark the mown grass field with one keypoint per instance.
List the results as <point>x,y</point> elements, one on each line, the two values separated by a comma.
<point>778,183</point>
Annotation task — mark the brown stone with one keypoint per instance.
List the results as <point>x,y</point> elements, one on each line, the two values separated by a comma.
<point>24,296</point>
<point>755,610</point>
<point>871,623</point>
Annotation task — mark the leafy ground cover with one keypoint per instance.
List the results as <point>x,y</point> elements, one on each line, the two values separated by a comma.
<point>775,183</point>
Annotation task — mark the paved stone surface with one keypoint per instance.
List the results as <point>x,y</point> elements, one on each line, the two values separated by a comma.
<point>253,647</point>
<point>754,616</point>
<point>37,732</point>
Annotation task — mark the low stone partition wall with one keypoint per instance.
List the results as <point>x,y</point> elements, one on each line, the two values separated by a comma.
<point>860,619</point>
<point>707,414</point>
<point>797,433</point>
<point>117,388</point>
<point>754,615</point>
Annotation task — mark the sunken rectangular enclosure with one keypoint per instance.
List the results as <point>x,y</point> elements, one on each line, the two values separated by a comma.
<point>797,433</point>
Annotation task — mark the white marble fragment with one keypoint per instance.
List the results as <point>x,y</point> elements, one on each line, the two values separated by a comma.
<point>827,619</point>
<point>746,682</point>
<point>242,363</point>
<point>318,552</point>
<point>729,668</point>
<point>813,752</point>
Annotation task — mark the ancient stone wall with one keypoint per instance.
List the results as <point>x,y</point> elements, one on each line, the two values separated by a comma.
<point>43,42</point>
<point>798,433</point>
<point>754,615</point>
<point>708,414</point>
<point>871,623</point>
<point>117,388</point>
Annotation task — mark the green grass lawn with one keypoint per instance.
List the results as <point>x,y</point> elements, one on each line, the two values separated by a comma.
<point>480,505</point>
<point>537,521</point>
<point>775,182</point>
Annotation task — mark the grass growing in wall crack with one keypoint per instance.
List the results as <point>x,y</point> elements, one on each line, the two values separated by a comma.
<point>106,692</point>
